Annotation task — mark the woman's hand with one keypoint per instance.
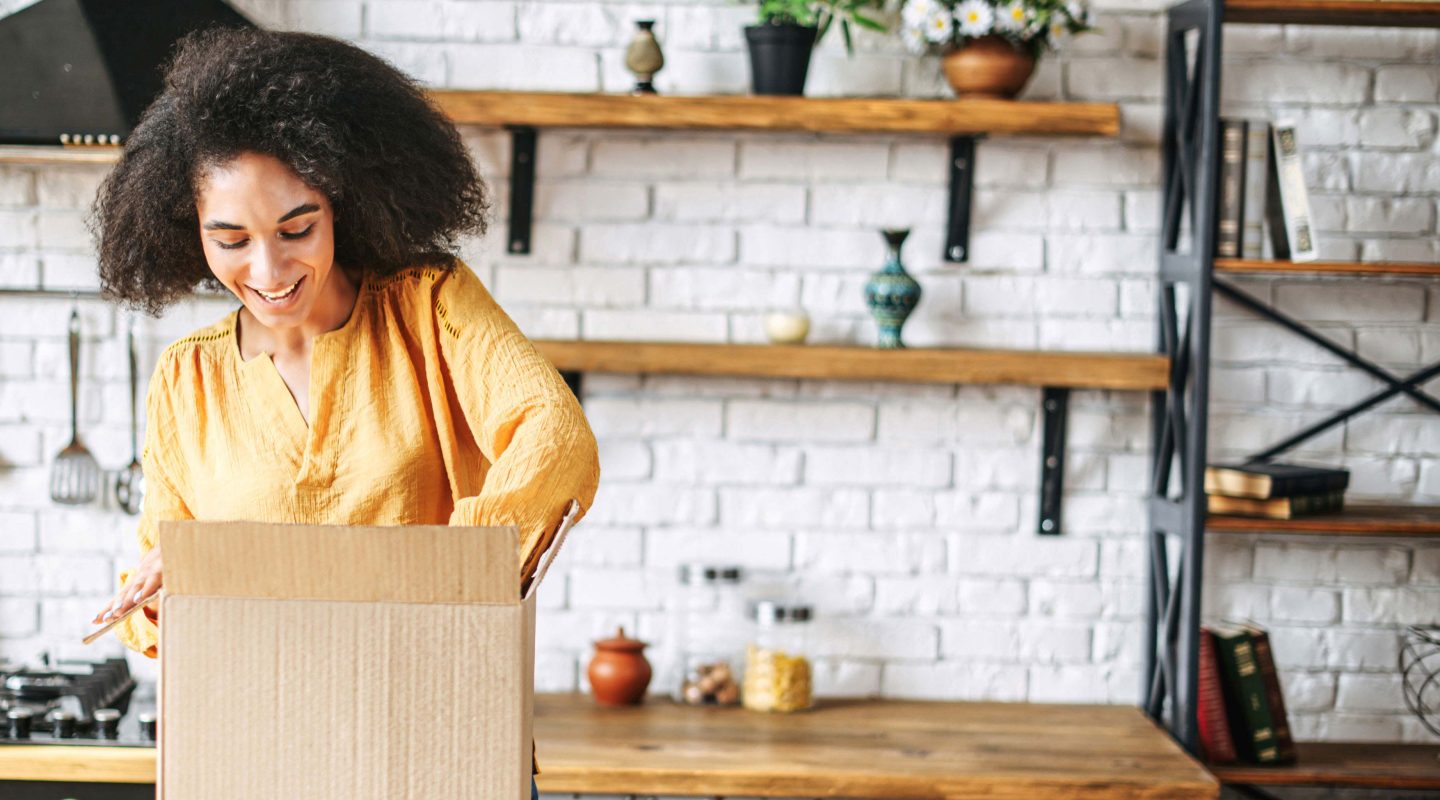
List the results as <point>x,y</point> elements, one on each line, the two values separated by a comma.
<point>143,582</point>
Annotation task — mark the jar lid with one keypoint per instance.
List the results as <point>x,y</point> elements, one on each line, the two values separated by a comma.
<point>774,612</point>
<point>707,574</point>
<point>620,643</point>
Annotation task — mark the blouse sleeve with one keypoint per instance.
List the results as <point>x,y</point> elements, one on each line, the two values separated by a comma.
<point>525,420</point>
<point>162,501</point>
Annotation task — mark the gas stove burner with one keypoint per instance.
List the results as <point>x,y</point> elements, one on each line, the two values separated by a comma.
<point>71,702</point>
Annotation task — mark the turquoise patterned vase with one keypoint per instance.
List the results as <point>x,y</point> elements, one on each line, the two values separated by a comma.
<point>891,294</point>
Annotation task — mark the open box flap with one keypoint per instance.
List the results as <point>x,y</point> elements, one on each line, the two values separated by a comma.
<point>398,564</point>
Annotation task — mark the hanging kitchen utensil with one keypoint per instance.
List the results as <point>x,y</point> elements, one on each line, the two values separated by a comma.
<point>74,477</point>
<point>129,482</point>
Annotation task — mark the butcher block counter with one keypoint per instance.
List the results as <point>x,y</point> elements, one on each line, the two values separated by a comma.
<point>842,748</point>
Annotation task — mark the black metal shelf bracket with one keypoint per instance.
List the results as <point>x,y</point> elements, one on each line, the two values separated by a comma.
<point>522,189</point>
<point>962,180</point>
<point>1054,408</point>
<point>575,380</point>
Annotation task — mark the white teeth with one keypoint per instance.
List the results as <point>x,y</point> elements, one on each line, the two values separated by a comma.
<point>281,295</point>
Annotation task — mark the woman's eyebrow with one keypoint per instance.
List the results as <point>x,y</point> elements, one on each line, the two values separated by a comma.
<point>217,225</point>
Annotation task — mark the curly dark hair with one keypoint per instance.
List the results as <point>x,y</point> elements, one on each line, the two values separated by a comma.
<point>399,179</point>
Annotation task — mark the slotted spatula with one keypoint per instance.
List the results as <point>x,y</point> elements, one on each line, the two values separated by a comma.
<point>75,476</point>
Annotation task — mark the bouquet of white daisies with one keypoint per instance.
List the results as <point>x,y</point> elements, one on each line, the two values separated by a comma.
<point>939,26</point>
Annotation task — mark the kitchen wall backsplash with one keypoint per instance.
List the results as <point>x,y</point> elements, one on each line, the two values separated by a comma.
<point>904,513</point>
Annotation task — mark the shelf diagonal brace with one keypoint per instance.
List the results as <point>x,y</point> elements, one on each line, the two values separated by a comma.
<point>522,189</point>
<point>1054,408</point>
<point>962,182</point>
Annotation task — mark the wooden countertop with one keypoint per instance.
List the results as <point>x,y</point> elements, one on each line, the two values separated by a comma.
<point>843,748</point>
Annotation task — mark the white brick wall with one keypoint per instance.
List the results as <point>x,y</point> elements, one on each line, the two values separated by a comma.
<point>904,512</point>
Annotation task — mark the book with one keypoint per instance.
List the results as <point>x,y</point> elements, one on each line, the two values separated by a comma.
<point>1264,480</point>
<point>1257,169</point>
<point>1215,738</point>
<point>1230,199</point>
<point>1274,695</point>
<point>1248,709</point>
<point>1287,203</point>
<point>1299,505</point>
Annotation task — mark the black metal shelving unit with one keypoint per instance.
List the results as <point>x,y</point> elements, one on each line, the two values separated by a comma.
<point>1187,273</point>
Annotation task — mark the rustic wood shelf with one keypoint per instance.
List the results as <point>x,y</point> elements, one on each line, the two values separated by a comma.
<point>1357,764</point>
<point>1393,268</point>
<point>1138,371</point>
<point>1381,13</point>
<point>38,155</point>
<point>757,113</point>
<point>842,748</point>
<point>1359,520</point>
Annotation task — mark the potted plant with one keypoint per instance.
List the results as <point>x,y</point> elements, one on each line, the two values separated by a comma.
<point>788,30</point>
<point>989,46</point>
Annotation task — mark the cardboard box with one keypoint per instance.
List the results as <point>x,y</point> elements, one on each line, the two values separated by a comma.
<point>316,662</point>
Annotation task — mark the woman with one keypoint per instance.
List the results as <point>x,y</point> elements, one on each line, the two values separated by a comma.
<point>368,377</point>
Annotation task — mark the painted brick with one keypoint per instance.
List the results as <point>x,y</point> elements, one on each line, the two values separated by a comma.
<point>837,160</point>
<point>1367,692</point>
<point>591,201</point>
<point>653,417</point>
<point>845,678</point>
<point>902,508</point>
<point>886,206</point>
<point>1027,556</point>
<point>649,326</point>
<point>688,461</point>
<point>723,288</point>
<point>1295,604</point>
<point>514,66</point>
<point>872,466</point>
<point>671,547</point>
<point>1396,127</point>
<point>730,202</point>
<point>1406,84</point>
<point>877,554</point>
<point>1295,82</point>
<point>954,681</point>
<point>977,511</point>
<point>1114,78</point>
<point>768,420</point>
<point>799,507</point>
<point>584,24</point>
<point>646,504</point>
<point>579,286</point>
<point>652,243</point>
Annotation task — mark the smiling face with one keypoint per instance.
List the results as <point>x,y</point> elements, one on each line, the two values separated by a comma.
<point>270,238</point>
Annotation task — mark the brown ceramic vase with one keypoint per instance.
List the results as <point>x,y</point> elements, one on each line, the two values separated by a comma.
<point>619,673</point>
<point>990,66</point>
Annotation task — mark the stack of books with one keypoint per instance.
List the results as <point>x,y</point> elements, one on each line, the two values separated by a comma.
<point>1262,189</point>
<point>1241,707</point>
<point>1275,491</point>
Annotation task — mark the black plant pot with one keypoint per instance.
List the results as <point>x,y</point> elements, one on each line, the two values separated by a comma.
<point>779,57</point>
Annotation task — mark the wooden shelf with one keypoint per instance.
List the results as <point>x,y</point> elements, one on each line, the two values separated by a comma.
<point>1379,766</point>
<point>1359,520</point>
<point>1137,371</point>
<point>753,113</point>
<point>1258,266</point>
<point>1380,13</point>
<point>43,156</point>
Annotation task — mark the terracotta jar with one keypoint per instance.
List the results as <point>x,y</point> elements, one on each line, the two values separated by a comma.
<point>619,673</point>
<point>990,66</point>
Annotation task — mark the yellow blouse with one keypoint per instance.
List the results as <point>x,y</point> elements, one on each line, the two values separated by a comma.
<point>428,370</point>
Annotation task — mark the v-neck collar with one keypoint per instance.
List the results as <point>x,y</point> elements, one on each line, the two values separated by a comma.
<point>269,396</point>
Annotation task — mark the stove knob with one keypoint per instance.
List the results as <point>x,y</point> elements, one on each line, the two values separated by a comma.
<point>147,724</point>
<point>18,722</point>
<point>107,723</point>
<point>64,723</point>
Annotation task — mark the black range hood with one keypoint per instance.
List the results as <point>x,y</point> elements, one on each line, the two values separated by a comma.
<point>76,68</point>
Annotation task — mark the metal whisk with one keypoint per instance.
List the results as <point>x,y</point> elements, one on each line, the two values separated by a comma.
<point>75,476</point>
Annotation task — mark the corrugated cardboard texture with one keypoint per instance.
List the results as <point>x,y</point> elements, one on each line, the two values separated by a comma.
<point>398,564</point>
<point>326,700</point>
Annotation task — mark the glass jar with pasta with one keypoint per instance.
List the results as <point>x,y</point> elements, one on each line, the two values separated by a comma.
<point>777,669</point>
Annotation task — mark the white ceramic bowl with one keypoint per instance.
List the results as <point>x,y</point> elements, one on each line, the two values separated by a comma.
<point>787,327</point>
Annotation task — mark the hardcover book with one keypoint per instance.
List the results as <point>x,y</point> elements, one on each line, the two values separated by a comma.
<point>1245,702</point>
<point>1230,213</point>
<point>1274,694</point>
<point>1299,505</point>
<point>1287,203</point>
<point>1267,480</point>
<point>1215,736</point>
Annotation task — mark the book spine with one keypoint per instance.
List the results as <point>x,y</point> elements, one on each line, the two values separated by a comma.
<point>1245,697</point>
<point>1309,484</point>
<point>1252,240</point>
<point>1230,213</point>
<point>1316,503</point>
<point>1215,736</point>
<point>1274,695</point>
<point>1274,213</point>
<point>1294,200</point>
